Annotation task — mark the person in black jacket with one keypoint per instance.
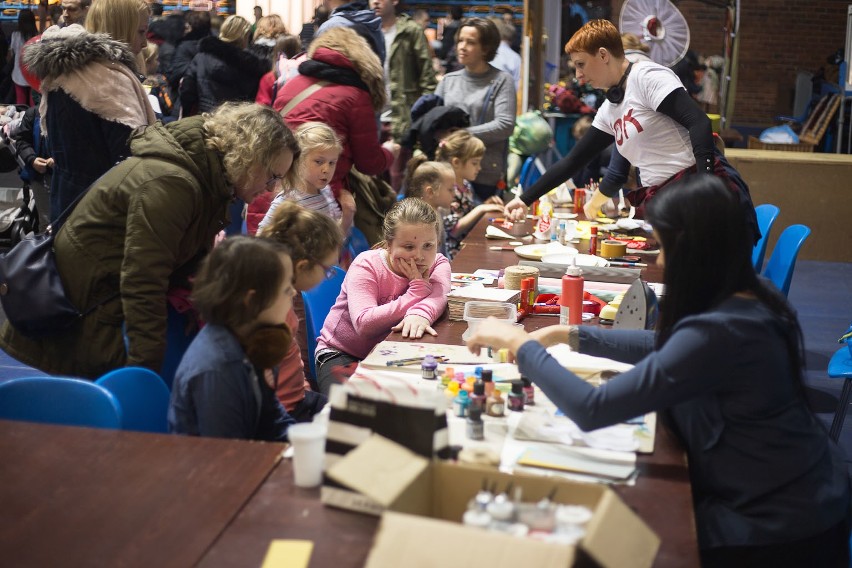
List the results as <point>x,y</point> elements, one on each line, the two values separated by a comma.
<point>185,50</point>
<point>223,70</point>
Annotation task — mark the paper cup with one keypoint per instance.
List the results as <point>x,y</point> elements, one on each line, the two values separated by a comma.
<point>308,440</point>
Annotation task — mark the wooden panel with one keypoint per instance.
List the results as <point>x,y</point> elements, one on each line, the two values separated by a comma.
<point>85,497</point>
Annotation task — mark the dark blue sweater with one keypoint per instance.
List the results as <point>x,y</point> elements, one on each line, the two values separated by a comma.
<point>763,470</point>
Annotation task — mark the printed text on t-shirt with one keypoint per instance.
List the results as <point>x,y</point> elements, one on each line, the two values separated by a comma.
<point>620,127</point>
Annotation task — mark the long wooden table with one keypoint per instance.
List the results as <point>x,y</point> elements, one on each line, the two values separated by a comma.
<point>661,496</point>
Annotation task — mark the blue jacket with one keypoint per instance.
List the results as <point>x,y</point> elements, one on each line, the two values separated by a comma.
<point>760,462</point>
<point>365,21</point>
<point>217,393</point>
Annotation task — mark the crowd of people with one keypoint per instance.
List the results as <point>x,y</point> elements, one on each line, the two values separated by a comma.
<point>164,132</point>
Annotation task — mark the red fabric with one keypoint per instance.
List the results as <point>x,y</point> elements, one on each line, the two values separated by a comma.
<point>291,372</point>
<point>257,210</point>
<point>349,111</point>
<point>264,89</point>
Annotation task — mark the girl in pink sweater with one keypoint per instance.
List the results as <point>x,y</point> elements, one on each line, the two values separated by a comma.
<point>401,286</point>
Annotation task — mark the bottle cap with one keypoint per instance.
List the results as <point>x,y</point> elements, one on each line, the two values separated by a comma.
<point>594,229</point>
<point>573,269</point>
<point>429,362</point>
<point>478,371</point>
<point>463,394</point>
<point>517,387</point>
<point>527,383</point>
<point>479,388</point>
<point>487,375</point>
<point>453,388</point>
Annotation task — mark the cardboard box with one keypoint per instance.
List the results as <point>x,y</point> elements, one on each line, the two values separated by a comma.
<point>424,502</point>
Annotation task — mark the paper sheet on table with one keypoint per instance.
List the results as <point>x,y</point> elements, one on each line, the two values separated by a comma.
<point>585,366</point>
<point>618,466</point>
<point>288,554</point>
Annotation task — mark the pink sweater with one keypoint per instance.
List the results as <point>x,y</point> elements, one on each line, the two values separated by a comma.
<point>374,299</point>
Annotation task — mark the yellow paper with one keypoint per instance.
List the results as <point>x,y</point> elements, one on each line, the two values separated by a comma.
<point>288,554</point>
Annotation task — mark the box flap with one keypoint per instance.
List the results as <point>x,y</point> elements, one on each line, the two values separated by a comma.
<point>414,542</point>
<point>617,537</point>
<point>378,468</point>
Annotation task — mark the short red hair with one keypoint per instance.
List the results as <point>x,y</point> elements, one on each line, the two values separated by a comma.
<point>594,35</point>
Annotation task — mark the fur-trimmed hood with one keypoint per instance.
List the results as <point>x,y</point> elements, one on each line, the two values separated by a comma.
<point>72,48</point>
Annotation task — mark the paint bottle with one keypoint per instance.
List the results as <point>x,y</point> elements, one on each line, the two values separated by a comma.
<point>524,298</point>
<point>477,399</point>
<point>593,240</point>
<point>468,384</point>
<point>475,428</point>
<point>571,300</point>
<point>488,381</point>
<point>451,393</point>
<point>428,368</point>
<point>533,291</point>
<point>516,397</point>
<point>449,372</point>
<point>460,404</point>
<point>477,372</point>
<point>494,404</point>
<point>529,391</point>
<point>459,378</point>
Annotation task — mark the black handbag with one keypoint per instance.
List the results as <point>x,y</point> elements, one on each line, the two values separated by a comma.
<point>31,290</point>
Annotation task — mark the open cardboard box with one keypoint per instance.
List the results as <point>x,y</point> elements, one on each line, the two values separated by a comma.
<point>424,502</point>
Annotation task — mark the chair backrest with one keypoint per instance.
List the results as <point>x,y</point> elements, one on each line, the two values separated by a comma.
<point>780,267</point>
<point>766,215</point>
<point>57,400</point>
<point>318,302</point>
<point>530,172</point>
<point>358,242</point>
<point>179,334</point>
<point>143,396</point>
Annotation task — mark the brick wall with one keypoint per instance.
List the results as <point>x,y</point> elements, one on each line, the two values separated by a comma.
<point>777,39</point>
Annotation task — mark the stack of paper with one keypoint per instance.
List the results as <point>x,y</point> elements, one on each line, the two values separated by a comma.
<point>457,299</point>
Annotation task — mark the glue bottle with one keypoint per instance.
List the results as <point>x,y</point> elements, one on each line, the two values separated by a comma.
<point>571,300</point>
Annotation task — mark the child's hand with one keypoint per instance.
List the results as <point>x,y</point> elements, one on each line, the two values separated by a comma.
<point>408,268</point>
<point>413,327</point>
<point>40,165</point>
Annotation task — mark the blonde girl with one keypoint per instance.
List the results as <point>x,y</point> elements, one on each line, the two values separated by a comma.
<point>308,186</point>
<point>314,241</point>
<point>401,285</point>
<point>434,183</point>
<point>464,152</point>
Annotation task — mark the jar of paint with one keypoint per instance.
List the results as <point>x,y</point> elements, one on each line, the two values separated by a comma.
<point>494,404</point>
<point>475,428</point>
<point>477,398</point>
<point>516,397</point>
<point>428,368</point>
<point>529,391</point>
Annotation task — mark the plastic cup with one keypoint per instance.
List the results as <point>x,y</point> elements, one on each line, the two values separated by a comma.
<point>308,440</point>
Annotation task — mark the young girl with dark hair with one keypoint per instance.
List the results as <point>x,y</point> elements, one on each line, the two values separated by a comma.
<point>725,365</point>
<point>224,386</point>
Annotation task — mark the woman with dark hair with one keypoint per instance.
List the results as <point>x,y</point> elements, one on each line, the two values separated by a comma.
<point>487,95</point>
<point>725,365</point>
<point>26,30</point>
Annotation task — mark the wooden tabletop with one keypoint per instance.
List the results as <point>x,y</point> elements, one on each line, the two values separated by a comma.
<point>86,497</point>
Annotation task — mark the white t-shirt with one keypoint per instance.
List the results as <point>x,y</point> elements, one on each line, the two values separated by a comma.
<point>390,35</point>
<point>650,140</point>
<point>16,44</point>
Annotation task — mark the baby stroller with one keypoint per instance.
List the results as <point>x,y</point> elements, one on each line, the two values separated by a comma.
<point>19,214</point>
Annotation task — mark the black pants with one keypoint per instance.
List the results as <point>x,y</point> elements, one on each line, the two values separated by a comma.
<point>334,367</point>
<point>829,549</point>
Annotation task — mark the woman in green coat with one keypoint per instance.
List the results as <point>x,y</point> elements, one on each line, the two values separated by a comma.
<point>143,226</point>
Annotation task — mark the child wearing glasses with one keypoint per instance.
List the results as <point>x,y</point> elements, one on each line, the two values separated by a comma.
<point>401,285</point>
<point>314,241</point>
<point>309,183</point>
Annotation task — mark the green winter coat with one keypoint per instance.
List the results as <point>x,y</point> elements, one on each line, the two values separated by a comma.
<point>410,73</point>
<point>143,220</point>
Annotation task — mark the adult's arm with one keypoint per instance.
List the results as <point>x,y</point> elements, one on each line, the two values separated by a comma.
<point>158,215</point>
<point>616,175</point>
<point>688,365</point>
<point>594,142</point>
<point>368,156</point>
<point>680,107</point>
<point>502,125</point>
<point>432,306</point>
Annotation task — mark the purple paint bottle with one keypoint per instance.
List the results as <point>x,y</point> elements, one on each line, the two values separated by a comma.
<point>516,397</point>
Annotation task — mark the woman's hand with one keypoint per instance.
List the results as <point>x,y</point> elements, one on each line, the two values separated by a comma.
<point>496,334</point>
<point>516,210</point>
<point>413,327</point>
<point>593,207</point>
<point>392,147</point>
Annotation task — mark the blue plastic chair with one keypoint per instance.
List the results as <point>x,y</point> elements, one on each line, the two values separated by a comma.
<point>177,342</point>
<point>318,302</point>
<point>766,215</point>
<point>358,242</point>
<point>780,267</point>
<point>143,396</point>
<point>840,367</point>
<point>56,400</point>
<point>529,173</point>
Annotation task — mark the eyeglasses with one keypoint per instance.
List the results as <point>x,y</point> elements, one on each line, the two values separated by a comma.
<point>330,271</point>
<point>273,180</point>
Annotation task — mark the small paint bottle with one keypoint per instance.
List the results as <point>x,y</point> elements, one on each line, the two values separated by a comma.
<point>449,372</point>
<point>529,391</point>
<point>451,392</point>
<point>477,372</point>
<point>459,378</point>
<point>475,428</point>
<point>488,380</point>
<point>468,384</point>
<point>460,404</point>
<point>477,399</point>
<point>428,368</point>
<point>516,397</point>
<point>494,404</point>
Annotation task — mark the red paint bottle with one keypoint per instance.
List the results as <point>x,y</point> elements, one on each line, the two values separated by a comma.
<point>571,300</point>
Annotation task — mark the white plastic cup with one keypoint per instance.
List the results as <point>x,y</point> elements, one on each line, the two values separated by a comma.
<point>308,440</point>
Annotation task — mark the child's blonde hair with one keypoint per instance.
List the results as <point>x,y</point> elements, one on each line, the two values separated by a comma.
<point>421,173</point>
<point>460,144</point>
<point>409,211</point>
<point>312,137</point>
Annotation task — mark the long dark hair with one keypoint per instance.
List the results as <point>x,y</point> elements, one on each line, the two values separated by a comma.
<point>27,24</point>
<point>707,246</point>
